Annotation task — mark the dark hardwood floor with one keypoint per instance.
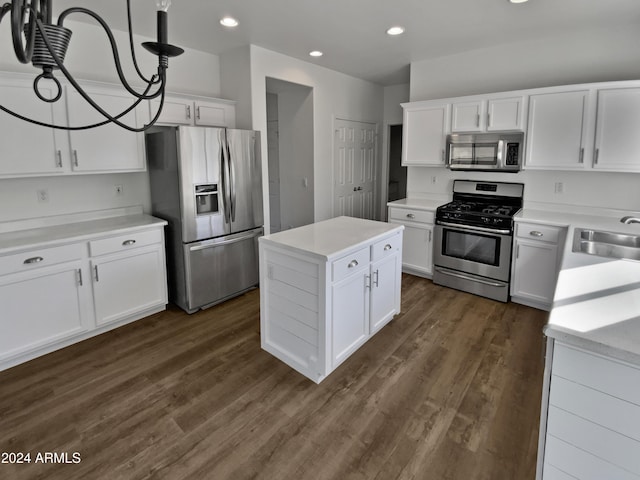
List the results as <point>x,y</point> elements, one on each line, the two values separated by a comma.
<point>448,390</point>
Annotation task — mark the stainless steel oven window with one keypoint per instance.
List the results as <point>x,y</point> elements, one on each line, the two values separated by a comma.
<point>474,247</point>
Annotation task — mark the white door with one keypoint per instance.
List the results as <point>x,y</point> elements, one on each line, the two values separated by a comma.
<point>108,147</point>
<point>354,168</point>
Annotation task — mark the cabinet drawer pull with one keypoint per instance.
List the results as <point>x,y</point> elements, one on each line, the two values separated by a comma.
<point>58,159</point>
<point>128,242</point>
<point>80,277</point>
<point>387,247</point>
<point>375,278</point>
<point>198,113</point>
<point>581,157</point>
<point>352,263</point>
<point>188,112</point>
<point>410,215</point>
<point>535,233</point>
<point>31,260</point>
<point>595,158</point>
<point>95,270</point>
<point>75,158</point>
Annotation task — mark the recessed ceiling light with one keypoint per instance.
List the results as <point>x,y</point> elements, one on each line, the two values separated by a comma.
<point>517,1</point>
<point>229,22</point>
<point>316,53</point>
<point>395,30</point>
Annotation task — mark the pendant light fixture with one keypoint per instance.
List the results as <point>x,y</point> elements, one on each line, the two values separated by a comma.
<point>37,40</point>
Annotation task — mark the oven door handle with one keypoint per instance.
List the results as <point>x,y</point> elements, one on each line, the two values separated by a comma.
<point>476,229</point>
<point>465,277</point>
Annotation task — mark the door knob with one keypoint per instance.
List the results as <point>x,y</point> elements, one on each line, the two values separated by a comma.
<point>357,189</point>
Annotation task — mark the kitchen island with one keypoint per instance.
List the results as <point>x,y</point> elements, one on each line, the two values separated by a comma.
<point>326,288</point>
<point>590,415</point>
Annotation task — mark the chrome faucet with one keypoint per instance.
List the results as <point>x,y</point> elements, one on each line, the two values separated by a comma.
<point>629,219</point>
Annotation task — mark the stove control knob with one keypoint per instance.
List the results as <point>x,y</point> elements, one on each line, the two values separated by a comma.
<point>486,219</point>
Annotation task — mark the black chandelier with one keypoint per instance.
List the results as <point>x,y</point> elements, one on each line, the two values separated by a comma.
<point>38,40</point>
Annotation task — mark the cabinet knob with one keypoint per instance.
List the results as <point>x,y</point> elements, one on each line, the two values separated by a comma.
<point>32,260</point>
<point>387,247</point>
<point>128,242</point>
<point>352,264</point>
<point>410,215</point>
<point>535,233</point>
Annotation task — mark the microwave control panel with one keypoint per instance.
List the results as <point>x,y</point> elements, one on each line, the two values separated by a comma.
<point>512,154</point>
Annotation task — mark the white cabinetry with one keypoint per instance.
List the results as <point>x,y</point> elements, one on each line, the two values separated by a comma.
<point>186,111</point>
<point>128,274</point>
<point>617,143</point>
<point>317,310</point>
<point>535,263</point>
<point>59,294</point>
<point>108,148</point>
<point>417,239</point>
<point>424,134</point>
<point>28,149</point>
<point>44,298</point>
<point>493,114</point>
<point>591,417</point>
<point>557,130</point>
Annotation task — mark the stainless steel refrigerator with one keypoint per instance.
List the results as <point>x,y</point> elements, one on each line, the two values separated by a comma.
<point>207,184</point>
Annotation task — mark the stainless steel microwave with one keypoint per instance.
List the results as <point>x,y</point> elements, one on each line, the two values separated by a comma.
<point>485,151</point>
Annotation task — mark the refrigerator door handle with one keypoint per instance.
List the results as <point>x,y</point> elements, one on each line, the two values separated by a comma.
<point>225,179</point>
<point>226,240</point>
<point>232,182</point>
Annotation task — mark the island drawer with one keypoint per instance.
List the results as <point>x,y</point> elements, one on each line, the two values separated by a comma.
<point>124,242</point>
<point>345,266</point>
<point>535,231</point>
<point>385,247</point>
<point>20,262</point>
<point>410,215</point>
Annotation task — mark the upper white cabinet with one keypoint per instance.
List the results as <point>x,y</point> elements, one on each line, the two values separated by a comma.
<point>424,134</point>
<point>591,127</point>
<point>494,114</point>
<point>27,148</point>
<point>557,130</point>
<point>617,142</point>
<point>186,111</point>
<point>109,148</point>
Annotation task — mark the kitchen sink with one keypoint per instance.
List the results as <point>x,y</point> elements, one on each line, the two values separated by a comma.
<point>606,244</point>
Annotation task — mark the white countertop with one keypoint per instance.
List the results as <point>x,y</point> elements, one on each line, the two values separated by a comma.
<point>76,231</point>
<point>417,203</point>
<point>596,304</point>
<point>331,238</point>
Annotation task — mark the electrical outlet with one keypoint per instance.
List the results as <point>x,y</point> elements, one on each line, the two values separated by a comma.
<point>118,190</point>
<point>43,195</point>
<point>559,187</point>
<point>433,179</point>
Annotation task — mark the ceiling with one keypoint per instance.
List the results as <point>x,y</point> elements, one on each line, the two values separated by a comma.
<point>351,33</point>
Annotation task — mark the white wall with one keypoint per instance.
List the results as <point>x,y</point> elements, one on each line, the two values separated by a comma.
<point>589,56</point>
<point>295,116</point>
<point>394,95</point>
<point>89,58</point>
<point>334,95</point>
<point>597,55</point>
<point>235,79</point>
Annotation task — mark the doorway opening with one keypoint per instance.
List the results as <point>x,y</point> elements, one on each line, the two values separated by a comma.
<point>290,154</point>
<point>397,187</point>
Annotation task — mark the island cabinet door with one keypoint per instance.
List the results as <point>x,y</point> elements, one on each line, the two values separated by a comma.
<point>384,291</point>
<point>349,314</point>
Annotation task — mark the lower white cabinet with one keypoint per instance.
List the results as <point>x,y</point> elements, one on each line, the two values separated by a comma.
<point>44,299</point>
<point>590,423</point>
<point>315,311</point>
<point>54,296</point>
<point>417,242</point>
<point>129,280</point>
<point>535,263</point>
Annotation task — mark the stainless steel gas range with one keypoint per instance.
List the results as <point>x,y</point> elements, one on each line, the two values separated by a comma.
<point>473,237</point>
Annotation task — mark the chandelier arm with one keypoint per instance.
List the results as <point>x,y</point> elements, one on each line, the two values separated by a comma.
<point>86,96</point>
<point>131,45</point>
<point>6,8</point>
<point>157,115</point>
<point>114,49</point>
<point>84,127</point>
<point>19,11</point>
